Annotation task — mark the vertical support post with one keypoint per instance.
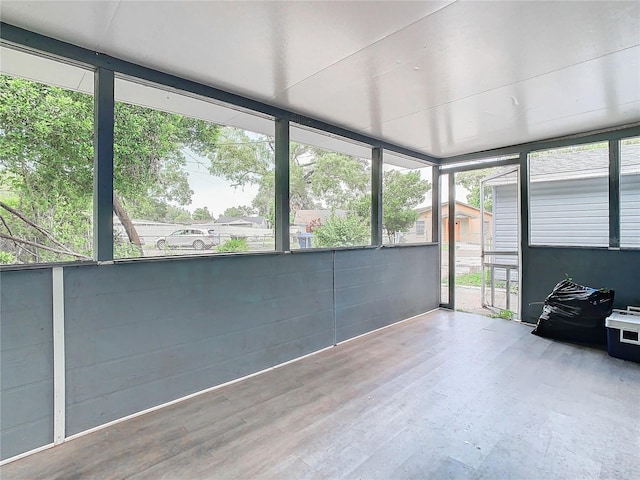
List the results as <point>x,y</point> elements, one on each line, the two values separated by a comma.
<point>333,292</point>
<point>282,185</point>
<point>452,240</point>
<point>376,196</point>
<point>508,292</point>
<point>59,407</point>
<point>493,286</point>
<point>523,177</point>
<point>435,206</point>
<point>614,193</point>
<point>103,165</point>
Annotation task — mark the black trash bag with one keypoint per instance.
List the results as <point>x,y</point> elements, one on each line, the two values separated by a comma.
<point>575,313</point>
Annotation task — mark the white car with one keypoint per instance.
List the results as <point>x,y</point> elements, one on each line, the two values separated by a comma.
<point>187,238</point>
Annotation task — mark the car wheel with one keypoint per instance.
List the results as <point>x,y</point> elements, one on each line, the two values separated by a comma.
<point>161,244</point>
<point>198,245</point>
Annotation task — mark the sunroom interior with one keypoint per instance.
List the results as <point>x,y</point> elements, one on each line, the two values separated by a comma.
<point>277,324</point>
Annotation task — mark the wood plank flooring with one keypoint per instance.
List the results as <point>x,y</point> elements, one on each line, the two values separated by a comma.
<point>445,395</point>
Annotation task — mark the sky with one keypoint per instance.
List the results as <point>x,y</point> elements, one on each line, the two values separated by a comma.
<point>212,192</point>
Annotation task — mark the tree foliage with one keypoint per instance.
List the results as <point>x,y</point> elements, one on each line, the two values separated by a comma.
<point>202,213</point>
<point>402,193</point>
<point>46,167</point>
<point>471,181</point>
<point>318,179</point>
<point>240,211</point>
<point>340,231</point>
<point>46,174</point>
<point>233,245</point>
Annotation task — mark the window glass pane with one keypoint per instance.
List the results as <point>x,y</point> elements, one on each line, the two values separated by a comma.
<point>46,160</point>
<point>569,196</point>
<point>406,201</point>
<point>630,193</point>
<point>330,191</point>
<point>186,182</point>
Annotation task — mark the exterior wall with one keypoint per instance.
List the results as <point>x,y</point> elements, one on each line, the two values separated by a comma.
<point>140,334</point>
<point>26,361</point>
<point>470,226</point>
<point>544,267</point>
<point>570,212</point>
<point>505,228</point>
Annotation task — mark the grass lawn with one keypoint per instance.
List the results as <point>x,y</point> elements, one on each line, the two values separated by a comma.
<point>475,280</point>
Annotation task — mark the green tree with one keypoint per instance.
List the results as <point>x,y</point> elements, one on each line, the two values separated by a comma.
<point>202,214</point>
<point>471,182</point>
<point>46,167</point>
<point>402,193</point>
<point>240,211</point>
<point>318,179</point>
<point>342,232</point>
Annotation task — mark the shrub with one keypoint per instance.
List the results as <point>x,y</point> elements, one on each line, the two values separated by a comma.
<point>233,245</point>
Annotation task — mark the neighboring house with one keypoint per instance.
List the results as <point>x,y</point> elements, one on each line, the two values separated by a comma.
<point>244,222</point>
<point>569,200</point>
<point>468,224</point>
<point>302,218</point>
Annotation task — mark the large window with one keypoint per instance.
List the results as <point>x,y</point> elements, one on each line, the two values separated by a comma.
<point>630,193</point>
<point>569,196</point>
<point>185,181</point>
<point>330,191</point>
<point>46,160</point>
<point>406,201</point>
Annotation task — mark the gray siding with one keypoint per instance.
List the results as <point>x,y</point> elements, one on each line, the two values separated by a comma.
<point>630,211</point>
<point>26,361</point>
<point>585,221</point>
<point>505,225</point>
<point>570,212</point>
<point>375,288</point>
<point>139,335</point>
<point>505,229</point>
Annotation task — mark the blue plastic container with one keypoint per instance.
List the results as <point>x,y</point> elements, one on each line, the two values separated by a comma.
<point>623,335</point>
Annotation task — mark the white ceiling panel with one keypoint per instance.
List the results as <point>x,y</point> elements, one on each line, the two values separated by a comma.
<point>77,22</point>
<point>582,97</point>
<point>255,48</point>
<point>443,77</point>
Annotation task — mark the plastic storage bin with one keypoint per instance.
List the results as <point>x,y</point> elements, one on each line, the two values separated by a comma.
<point>623,334</point>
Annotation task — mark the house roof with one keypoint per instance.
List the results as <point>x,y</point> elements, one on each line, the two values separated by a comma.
<point>442,204</point>
<point>240,220</point>
<point>575,163</point>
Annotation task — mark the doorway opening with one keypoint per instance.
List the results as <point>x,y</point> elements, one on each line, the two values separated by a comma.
<point>486,242</point>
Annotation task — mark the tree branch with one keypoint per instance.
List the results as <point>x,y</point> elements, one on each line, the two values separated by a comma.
<point>37,227</point>
<point>44,247</point>
<point>30,252</point>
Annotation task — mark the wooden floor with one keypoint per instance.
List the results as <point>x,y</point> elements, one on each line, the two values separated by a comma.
<point>446,395</point>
